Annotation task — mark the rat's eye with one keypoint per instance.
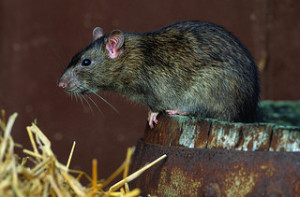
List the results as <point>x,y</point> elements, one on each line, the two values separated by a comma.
<point>86,62</point>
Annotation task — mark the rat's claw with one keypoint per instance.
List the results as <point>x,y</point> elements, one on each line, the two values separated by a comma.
<point>152,118</point>
<point>175,112</point>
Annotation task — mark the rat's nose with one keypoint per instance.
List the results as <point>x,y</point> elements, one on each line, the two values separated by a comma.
<point>62,84</point>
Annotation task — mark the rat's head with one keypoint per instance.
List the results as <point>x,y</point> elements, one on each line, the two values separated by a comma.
<point>95,67</point>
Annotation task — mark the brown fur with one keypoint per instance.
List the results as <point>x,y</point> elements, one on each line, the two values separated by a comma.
<point>195,67</point>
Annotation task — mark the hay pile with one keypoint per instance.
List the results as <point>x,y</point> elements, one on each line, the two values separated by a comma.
<point>47,176</point>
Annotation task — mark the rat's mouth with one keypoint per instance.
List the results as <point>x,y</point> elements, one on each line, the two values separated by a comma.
<point>80,90</point>
<point>77,90</point>
<point>74,87</point>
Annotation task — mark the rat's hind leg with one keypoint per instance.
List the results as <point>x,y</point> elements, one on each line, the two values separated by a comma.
<point>175,112</point>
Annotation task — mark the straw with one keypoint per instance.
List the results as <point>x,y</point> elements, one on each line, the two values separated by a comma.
<point>46,176</point>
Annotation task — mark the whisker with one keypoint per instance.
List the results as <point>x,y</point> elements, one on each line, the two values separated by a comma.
<point>72,97</point>
<point>87,103</point>
<point>106,102</point>
<point>80,98</point>
<point>95,104</point>
<point>76,97</point>
<point>92,91</point>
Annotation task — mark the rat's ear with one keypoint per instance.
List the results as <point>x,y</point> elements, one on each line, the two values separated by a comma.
<point>97,33</point>
<point>114,43</point>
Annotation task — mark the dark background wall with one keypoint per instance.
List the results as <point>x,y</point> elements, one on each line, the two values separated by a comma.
<point>38,38</point>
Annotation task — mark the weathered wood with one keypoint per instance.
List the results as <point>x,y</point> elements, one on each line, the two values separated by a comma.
<point>285,139</point>
<point>212,158</point>
<point>216,172</point>
<point>246,137</point>
<point>191,132</point>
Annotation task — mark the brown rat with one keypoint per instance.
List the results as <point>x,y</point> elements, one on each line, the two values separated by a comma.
<point>189,68</point>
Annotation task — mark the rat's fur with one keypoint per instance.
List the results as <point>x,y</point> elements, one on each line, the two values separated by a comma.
<point>194,67</point>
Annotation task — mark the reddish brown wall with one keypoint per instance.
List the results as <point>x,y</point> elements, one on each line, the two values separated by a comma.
<point>38,38</point>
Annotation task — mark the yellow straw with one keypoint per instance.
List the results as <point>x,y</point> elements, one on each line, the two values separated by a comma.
<point>71,154</point>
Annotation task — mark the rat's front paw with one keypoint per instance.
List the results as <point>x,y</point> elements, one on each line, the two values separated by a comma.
<point>152,118</point>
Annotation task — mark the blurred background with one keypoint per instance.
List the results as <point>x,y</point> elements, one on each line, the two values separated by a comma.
<point>38,39</point>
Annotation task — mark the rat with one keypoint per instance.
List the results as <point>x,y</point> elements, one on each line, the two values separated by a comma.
<point>188,68</point>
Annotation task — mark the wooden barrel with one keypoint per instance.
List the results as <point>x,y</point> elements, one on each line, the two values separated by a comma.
<point>213,158</point>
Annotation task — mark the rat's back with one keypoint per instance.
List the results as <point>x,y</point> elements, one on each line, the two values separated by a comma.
<point>200,68</point>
